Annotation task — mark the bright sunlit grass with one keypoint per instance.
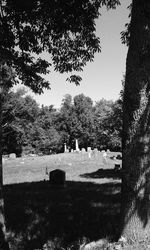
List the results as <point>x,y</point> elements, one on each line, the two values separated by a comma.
<point>29,169</point>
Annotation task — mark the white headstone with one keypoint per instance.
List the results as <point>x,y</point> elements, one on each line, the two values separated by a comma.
<point>104,158</point>
<point>77,146</point>
<point>104,154</point>
<point>83,150</point>
<point>95,150</point>
<point>65,147</point>
<point>88,149</point>
<point>89,154</point>
<point>12,156</point>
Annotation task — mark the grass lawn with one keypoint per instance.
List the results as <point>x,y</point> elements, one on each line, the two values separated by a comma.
<point>37,213</point>
<point>32,169</point>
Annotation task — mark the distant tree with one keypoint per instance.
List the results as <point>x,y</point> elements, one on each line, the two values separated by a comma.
<point>115,126</point>
<point>18,117</point>
<point>12,132</point>
<point>98,125</point>
<point>76,120</point>
<point>46,121</point>
<point>65,120</point>
<point>102,114</point>
<point>84,127</point>
<point>27,128</point>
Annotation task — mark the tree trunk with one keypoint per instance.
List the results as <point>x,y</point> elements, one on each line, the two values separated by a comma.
<point>3,239</point>
<point>135,206</point>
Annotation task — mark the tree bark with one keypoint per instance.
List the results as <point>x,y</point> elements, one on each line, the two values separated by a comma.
<point>3,236</point>
<point>135,204</point>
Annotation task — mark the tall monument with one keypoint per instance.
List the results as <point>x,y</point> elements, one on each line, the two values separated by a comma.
<point>65,148</point>
<point>77,146</point>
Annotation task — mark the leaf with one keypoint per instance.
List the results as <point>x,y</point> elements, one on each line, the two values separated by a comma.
<point>74,78</point>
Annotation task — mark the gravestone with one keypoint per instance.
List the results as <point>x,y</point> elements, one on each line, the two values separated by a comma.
<point>95,151</point>
<point>83,150</point>
<point>104,154</point>
<point>77,146</point>
<point>104,158</point>
<point>119,157</point>
<point>88,149</point>
<point>57,177</point>
<point>12,156</point>
<point>117,167</point>
<point>65,147</point>
<point>46,170</point>
<point>89,154</point>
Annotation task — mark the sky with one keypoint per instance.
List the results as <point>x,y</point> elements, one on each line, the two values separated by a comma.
<point>102,77</point>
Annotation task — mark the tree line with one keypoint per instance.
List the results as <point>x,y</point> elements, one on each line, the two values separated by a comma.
<point>29,128</point>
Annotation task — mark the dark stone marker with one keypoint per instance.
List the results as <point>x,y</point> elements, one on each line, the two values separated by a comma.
<point>117,167</point>
<point>119,157</point>
<point>57,177</point>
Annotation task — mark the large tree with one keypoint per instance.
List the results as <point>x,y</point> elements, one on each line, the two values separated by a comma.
<point>136,127</point>
<point>65,29</point>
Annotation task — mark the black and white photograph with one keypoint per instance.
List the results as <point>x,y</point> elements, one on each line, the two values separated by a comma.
<point>75,125</point>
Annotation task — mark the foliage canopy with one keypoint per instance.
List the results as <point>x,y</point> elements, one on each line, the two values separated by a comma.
<point>65,29</point>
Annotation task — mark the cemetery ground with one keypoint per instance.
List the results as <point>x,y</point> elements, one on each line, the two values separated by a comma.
<point>42,216</point>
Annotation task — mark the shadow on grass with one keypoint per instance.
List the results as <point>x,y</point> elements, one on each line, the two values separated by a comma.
<point>103,173</point>
<point>36,212</point>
